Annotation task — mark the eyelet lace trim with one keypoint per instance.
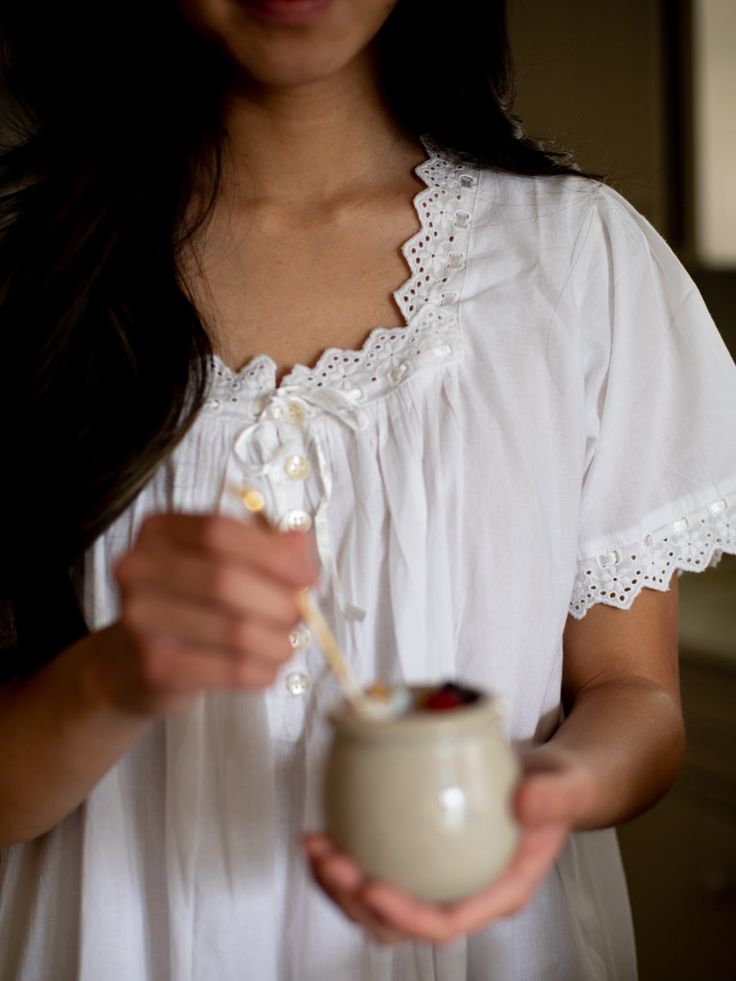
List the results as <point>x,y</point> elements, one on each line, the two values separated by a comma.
<point>250,382</point>
<point>689,544</point>
<point>428,300</point>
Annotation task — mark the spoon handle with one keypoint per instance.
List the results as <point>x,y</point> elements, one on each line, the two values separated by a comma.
<point>314,619</point>
<point>311,613</point>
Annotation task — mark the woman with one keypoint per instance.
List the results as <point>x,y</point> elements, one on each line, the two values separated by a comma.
<point>205,197</point>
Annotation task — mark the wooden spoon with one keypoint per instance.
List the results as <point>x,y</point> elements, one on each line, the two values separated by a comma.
<point>254,502</point>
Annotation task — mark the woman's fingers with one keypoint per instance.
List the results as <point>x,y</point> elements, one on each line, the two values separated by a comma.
<point>554,790</point>
<point>402,917</point>
<point>171,668</point>
<point>284,557</point>
<point>164,676</point>
<point>206,602</point>
<point>342,880</point>
<point>508,894</point>
<point>336,873</point>
<point>233,587</point>
<point>153,615</point>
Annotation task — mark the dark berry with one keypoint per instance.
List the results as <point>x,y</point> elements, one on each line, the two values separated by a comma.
<point>466,694</point>
<point>450,695</point>
<point>442,699</point>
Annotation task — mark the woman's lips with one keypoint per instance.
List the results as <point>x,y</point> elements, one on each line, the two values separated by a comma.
<point>288,11</point>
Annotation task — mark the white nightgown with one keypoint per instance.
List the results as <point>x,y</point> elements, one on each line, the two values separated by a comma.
<point>554,427</point>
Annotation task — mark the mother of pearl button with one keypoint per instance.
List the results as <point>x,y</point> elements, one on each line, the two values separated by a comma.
<point>297,468</point>
<point>298,683</point>
<point>295,521</point>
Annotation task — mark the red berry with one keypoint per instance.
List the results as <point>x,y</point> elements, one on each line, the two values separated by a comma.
<point>443,699</point>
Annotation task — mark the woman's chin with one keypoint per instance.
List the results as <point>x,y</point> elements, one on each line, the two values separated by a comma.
<point>283,70</point>
<point>285,43</point>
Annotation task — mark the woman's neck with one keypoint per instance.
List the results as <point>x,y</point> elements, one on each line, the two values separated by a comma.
<point>310,144</point>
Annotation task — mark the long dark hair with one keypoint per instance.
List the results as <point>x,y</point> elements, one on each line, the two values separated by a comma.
<point>114,130</point>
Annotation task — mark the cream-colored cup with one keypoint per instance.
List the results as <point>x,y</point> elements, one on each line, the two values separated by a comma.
<point>424,800</point>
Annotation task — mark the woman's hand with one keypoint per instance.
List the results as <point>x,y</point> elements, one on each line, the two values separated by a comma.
<point>615,754</point>
<point>206,603</point>
<point>553,796</point>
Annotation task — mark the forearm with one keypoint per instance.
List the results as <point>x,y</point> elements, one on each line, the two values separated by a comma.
<point>59,737</point>
<point>628,733</point>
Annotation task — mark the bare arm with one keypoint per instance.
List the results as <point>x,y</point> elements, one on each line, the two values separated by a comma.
<point>59,737</point>
<point>621,690</point>
<point>207,603</point>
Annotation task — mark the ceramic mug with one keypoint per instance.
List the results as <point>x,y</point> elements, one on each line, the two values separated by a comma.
<point>424,800</point>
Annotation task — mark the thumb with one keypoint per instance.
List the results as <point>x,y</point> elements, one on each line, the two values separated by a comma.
<point>553,797</point>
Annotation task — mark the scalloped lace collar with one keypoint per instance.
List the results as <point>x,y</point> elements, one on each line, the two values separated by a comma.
<point>428,301</point>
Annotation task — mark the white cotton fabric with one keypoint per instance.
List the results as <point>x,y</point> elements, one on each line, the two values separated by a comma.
<point>558,403</point>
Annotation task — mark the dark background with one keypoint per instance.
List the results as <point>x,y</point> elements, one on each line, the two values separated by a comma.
<point>614,83</point>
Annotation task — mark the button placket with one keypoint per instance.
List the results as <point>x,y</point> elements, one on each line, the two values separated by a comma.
<point>297,467</point>
<point>297,683</point>
<point>296,520</point>
<point>287,467</point>
<point>289,697</point>
<point>291,476</point>
<point>294,412</point>
<point>297,680</point>
<point>294,468</point>
<point>300,637</point>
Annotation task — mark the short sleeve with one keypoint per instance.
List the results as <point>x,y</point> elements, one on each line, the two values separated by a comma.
<point>659,486</point>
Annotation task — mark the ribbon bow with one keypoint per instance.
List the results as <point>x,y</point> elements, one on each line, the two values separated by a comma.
<point>279,433</point>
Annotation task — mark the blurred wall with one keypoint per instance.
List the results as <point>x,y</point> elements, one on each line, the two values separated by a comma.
<point>714,130</point>
<point>591,77</point>
<point>613,82</point>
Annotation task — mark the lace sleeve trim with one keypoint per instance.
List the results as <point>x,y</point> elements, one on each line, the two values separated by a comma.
<point>692,543</point>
